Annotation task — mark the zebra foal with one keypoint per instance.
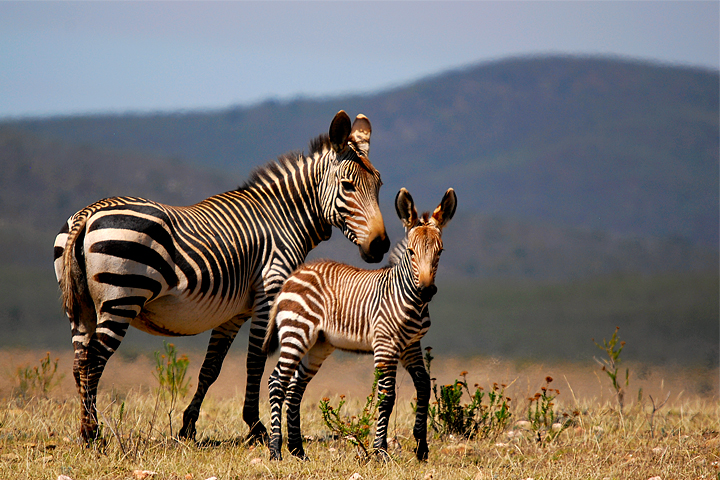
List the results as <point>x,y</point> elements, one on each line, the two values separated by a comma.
<point>183,270</point>
<point>326,305</point>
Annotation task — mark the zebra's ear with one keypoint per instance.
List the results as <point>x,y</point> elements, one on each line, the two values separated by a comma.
<point>339,131</point>
<point>360,133</point>
<point>405,208</point>
<point>445,211</point>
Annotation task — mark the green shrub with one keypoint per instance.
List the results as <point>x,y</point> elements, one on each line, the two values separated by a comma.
<point>37,380</point>
<point>355,429</point>
<point>449,415</point>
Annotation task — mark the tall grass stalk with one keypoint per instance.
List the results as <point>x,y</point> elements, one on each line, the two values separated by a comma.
<point>611,365</point>
<point>170,372</point>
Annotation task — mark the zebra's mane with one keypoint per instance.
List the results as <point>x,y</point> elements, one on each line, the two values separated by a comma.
<point>396,254</point>
<point>286,163</point>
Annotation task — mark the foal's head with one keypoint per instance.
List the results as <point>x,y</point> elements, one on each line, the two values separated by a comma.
<point>424,238</point>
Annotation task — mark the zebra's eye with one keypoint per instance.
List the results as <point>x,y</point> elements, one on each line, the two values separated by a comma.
<point>347,185</point>
<point>411,252</point>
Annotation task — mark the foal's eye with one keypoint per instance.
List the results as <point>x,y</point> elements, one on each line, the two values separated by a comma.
<point>411,251</point>
<point>347,185</point>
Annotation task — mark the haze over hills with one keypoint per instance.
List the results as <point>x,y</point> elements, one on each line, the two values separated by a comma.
<point>620,146</point>
<point>582,175</point>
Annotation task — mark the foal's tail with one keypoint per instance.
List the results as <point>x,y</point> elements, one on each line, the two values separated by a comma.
<point>270,344</point>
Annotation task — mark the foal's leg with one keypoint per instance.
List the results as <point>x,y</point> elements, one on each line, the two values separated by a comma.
<point>387,364</point>
<point>278,384</point>
<point>307,369</point>
<point>412,360</point>
<point>289,363</point>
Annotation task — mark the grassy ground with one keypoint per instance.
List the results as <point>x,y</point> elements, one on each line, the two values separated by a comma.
<point>38,433</point>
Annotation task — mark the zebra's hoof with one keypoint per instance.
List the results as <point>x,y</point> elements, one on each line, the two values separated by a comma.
<point>422,451</point>
<point>382,455</point>
<point>258,435</point>
<point>187,432</point>
<point>299,453</point>
<point>89,434</point>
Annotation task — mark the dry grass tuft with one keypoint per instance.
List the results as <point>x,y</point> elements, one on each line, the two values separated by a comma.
<point>39,437</point>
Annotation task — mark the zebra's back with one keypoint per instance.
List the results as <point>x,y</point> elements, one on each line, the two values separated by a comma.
<point>173,270</point>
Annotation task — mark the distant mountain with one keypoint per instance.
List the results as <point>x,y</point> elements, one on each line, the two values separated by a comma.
<point>620,146</point>
<point>45,181</point>
<point>587,190</point>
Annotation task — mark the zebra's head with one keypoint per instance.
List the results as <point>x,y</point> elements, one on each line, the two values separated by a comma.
<point>351,187</point>
<point>424,238</point>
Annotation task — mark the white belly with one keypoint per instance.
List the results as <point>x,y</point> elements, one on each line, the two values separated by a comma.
<point>344,342</point>
<point>172,315</point>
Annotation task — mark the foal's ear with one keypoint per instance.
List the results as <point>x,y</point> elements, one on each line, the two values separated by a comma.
<point>405,208</point>
<point>445,211</point>
<point>360,133</point>
<point>339,131</point>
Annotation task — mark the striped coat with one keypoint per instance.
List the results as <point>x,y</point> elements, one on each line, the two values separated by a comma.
<point>211,266</point>
<point>326,305</point>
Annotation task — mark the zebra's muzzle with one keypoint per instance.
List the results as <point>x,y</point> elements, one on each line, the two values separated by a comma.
<point>378,248</point>
<point>427,293</point>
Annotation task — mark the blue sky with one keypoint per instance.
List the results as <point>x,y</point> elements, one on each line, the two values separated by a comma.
<point>61,58</point>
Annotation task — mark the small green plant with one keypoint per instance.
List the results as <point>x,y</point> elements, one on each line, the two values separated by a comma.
<point>611,364</point>
<point>542,417</point>
<point>170,373</point>
<point>355,429</point>
<point>450,416</point>
<point>37,380</point>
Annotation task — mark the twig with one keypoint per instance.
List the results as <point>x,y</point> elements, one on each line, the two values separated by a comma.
<point>114,432</point>
<point>652,414</point>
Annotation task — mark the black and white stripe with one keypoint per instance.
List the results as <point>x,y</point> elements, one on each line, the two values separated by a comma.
<point>185,270</point>
<point>326,305</point>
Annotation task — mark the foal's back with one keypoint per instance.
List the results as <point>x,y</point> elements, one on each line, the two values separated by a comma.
<point>339,301</point>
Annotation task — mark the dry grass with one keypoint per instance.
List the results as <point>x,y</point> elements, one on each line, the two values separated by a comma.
<point>38,437</point>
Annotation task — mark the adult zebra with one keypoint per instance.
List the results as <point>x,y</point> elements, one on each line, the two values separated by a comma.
<point>184,270</point>
<point>326,305</point>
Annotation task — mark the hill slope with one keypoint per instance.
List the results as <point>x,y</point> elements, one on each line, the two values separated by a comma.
<point>588,198</point>
<point>626,147</point>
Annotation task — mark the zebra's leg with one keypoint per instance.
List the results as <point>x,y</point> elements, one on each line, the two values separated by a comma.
<point>307,369</point>
<point>82,331</point>
<point>255,369</point>
<point>412,360</point>
<point>92,352</point>
<point>387,365</point>
<point>220,341</point>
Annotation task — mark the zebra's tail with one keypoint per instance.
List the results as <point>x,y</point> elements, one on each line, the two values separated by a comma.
<point>73,283</point>
<point>270,344</point>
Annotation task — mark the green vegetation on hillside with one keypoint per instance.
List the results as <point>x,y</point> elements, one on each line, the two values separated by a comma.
<point>587,188</point>
<point>664,318</point>
<point>602,143</point>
